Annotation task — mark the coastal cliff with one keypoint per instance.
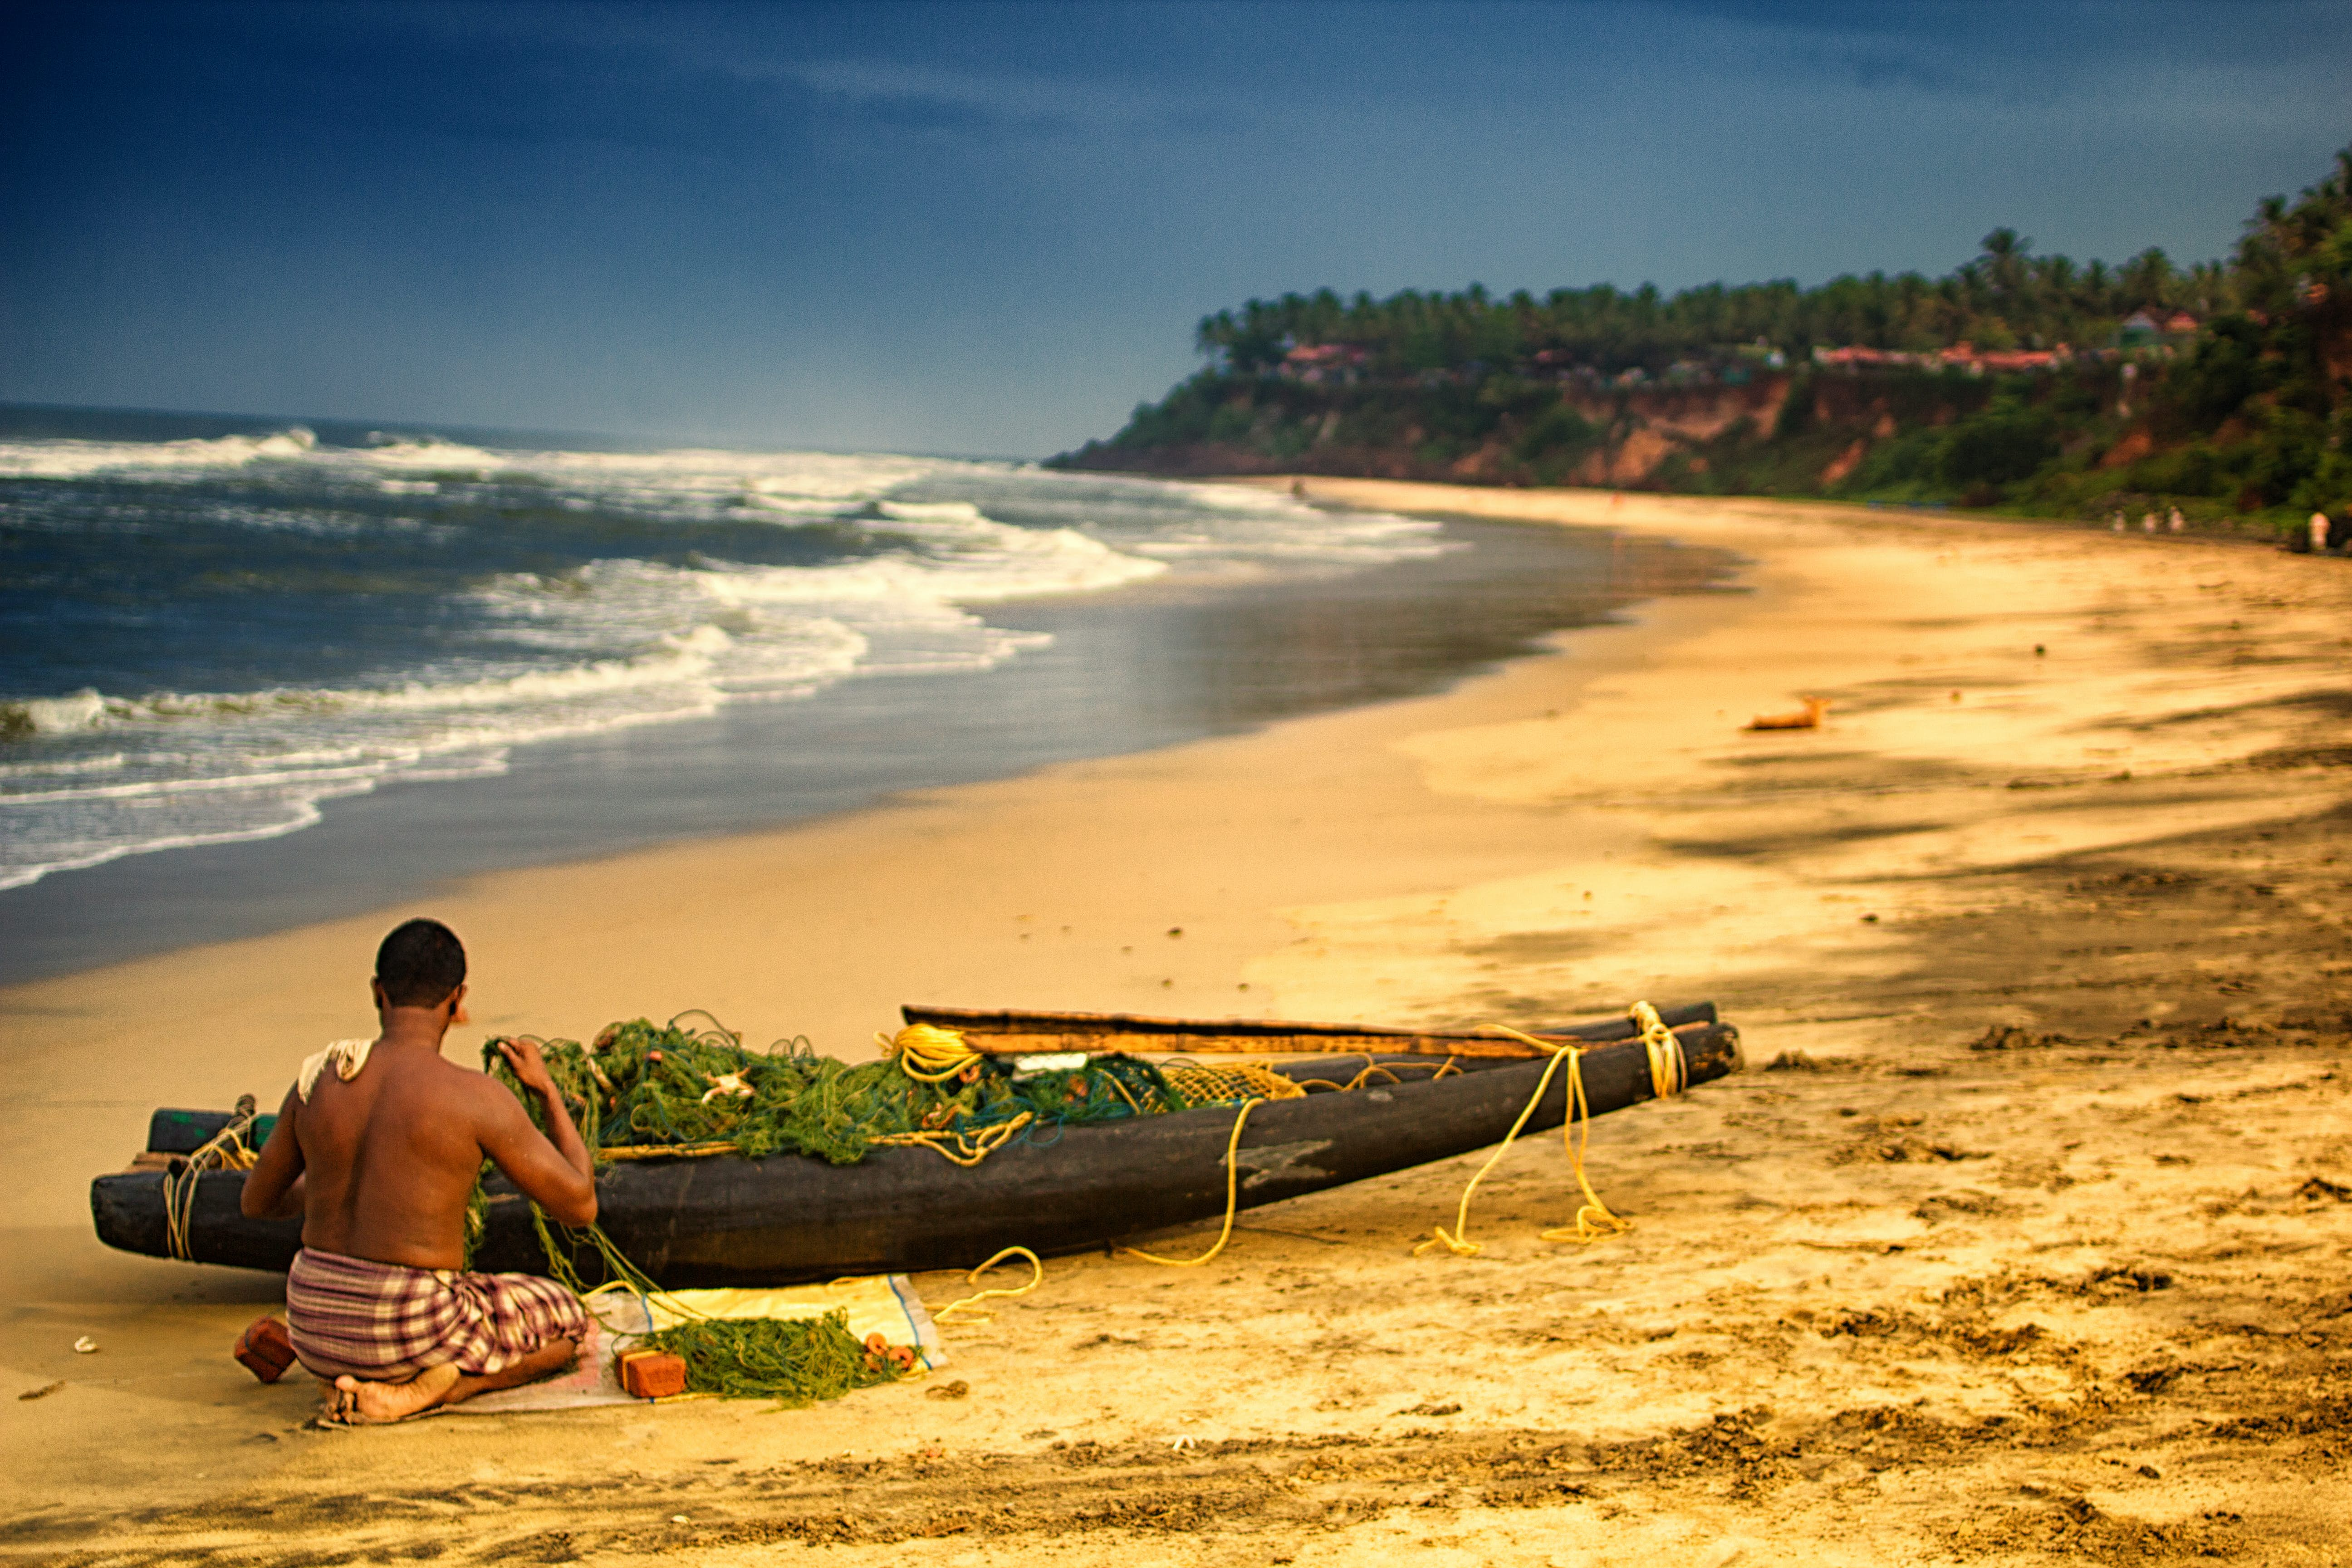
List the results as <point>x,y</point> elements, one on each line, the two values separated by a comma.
<point>2223,391</point>
<point>1501,433</point>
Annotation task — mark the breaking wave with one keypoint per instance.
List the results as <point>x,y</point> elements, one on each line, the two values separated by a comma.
<point>300,621</point>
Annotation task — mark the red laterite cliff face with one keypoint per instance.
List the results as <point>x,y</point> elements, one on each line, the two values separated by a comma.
<point>2220,424</point>
<point>1611,436</point>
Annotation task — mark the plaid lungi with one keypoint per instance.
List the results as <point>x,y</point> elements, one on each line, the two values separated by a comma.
<point>385,1322</point>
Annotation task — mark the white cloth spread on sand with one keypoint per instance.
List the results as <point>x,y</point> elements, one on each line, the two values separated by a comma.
<point>349,1057</point>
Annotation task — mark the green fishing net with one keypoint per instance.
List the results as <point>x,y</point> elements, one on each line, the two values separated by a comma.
<point>795,1361</point>
<point>646,1086</point>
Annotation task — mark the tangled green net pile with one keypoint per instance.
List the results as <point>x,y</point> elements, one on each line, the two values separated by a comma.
<point>641,1087</point>
<point>794,1361</point>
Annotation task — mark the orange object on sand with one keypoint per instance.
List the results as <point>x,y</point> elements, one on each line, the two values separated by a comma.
<point>879,1351</point>
<point>265,1349</point>
<point>652,1374</point>
<point>1816,708</point>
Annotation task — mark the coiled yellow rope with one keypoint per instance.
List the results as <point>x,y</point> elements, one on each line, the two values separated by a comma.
<point>1669,1075</point>
<point>929,1055</point>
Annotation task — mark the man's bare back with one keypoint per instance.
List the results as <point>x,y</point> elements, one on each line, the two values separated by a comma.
<point>386,1162</point>
<point>380,1166</point>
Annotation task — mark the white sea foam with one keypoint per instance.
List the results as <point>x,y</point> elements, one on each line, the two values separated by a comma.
<point>72,459</point>
<point>974,560</point>
<point>46,837</point>
<point>67,767</point>
<point>911,554</point>
<point>83,709</point>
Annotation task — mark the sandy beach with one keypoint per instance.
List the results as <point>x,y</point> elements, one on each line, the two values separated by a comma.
<point>2023,1238</point>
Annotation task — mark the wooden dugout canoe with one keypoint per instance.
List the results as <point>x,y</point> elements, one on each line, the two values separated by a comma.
<point>731,1221</point>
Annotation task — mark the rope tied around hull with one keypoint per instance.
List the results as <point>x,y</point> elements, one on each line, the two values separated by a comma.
<point>1669,1076</point>
<point>226,1150</point>
<point>1669,1069</point>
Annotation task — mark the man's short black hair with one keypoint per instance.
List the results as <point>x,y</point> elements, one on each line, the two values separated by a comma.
<point>420,963</point>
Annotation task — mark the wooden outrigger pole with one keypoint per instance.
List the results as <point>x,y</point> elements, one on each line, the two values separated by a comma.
<point>996,1032</point>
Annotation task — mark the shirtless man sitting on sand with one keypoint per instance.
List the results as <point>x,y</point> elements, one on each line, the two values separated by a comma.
<point>376,1147</point>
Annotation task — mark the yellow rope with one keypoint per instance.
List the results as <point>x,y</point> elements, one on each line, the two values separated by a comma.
<point>1593,1221</point>
<point>1362,1073</point>
<point>667,1151</point>
<point>1457,1241</point>
<point>1669,1075</point>
<point>965,1149</point>
<point>226,1150</point>
<point>1232,1200</point>
<point>1387,1071</point>
<point>1036,1277</point>
<point>1037,1269</point>
<point>929,1055</point>
<point>1669,1072</point>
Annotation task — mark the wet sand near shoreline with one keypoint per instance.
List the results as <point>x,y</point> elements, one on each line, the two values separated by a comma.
<point>2023,1239</point>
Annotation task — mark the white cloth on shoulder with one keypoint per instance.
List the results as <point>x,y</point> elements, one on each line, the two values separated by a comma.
<point>349,1057</point>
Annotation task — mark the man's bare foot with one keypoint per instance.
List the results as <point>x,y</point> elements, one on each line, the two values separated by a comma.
<point>355,1403</point>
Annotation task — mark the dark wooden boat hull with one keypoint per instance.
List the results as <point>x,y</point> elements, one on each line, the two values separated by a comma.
<point>731,1221</point>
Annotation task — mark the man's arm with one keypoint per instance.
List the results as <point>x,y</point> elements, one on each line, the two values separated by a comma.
<point>554,1171</point>
<point>273,1189</point>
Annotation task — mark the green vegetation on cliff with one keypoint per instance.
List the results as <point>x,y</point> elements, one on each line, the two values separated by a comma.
<point>2018,380</point>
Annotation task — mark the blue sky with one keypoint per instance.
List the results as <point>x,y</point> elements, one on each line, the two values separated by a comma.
<point>984,229</point>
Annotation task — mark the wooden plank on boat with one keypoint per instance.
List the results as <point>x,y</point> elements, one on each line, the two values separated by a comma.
<point>1008,1033</point>
<point>1028,1045</point>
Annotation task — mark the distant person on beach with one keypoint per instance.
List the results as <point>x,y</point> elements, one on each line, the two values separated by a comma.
<point>376,1147</point>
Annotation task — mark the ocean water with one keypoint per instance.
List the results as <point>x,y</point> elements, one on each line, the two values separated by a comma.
<point>204,640</point>
<point>255,674</point>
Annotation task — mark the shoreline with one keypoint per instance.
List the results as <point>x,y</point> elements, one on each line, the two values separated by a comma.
<point>2120,847</point>
<point>1121,670</point>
